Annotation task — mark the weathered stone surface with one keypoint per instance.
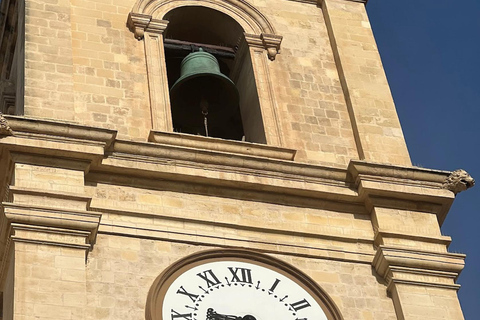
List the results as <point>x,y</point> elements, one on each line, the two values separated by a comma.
<point>458,181</point>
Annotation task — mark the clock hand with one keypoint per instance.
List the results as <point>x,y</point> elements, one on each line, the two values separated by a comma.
<point>212,315</point>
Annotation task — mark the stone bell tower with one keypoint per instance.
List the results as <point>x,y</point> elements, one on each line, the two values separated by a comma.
<point>114,204</point>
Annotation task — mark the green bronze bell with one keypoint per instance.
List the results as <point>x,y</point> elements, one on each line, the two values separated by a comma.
<point>205,101</point>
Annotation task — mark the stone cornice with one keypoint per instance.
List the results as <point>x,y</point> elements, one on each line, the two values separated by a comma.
<point>228,170</point>
<point>24,125</point>
<point>414,174</point>
<point>417,267</point>
<point>231,164</point>
<point>53,217</point>
<point>413,188</point>
<point>57,139</point>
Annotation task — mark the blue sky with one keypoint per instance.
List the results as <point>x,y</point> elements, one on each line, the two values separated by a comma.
<point>431,53</point>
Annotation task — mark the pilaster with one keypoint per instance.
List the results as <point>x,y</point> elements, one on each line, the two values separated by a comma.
<point>407,206</point>
<point>151,31</point>
<point>377,131</point>
<point>46,226</point>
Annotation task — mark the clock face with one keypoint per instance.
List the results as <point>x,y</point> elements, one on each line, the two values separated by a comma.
<point>237,290</point>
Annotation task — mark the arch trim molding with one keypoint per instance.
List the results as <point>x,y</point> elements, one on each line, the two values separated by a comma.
<point>255,24</point>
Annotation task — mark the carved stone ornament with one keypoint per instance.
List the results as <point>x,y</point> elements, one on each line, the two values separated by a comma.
<point>272,43</point>
<point>458,181</point>
<point>139,23</point>
<point>5,130</point>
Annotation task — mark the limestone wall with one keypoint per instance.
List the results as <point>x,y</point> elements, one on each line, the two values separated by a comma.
<point>330,98</point>
<point>84,66</point>
<point>121,270</point>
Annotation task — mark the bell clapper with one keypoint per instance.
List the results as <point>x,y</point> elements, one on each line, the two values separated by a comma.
<point>204,107</point>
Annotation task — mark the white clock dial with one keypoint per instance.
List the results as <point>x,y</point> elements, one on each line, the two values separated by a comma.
<point>237,290</point>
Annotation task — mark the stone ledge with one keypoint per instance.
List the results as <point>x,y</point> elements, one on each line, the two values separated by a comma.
<point>221,145</point>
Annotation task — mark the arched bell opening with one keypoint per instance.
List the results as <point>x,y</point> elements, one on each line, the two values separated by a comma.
<point>211,82</point>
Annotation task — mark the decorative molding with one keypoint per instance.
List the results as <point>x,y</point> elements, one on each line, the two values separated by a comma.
<point>458,181</point>
<point>250,16</point>
<point>253,40</point>
<point>144,13</point>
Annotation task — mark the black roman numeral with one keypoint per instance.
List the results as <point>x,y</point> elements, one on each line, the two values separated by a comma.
<point>300,305</point>
<point>175,315</point>
<point>209,277</point>
<point>185,292</point>
<point>244,276</point>
<point>274,285</point>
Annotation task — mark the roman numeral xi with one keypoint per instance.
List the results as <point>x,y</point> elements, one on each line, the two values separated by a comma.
<point>209,277</point>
